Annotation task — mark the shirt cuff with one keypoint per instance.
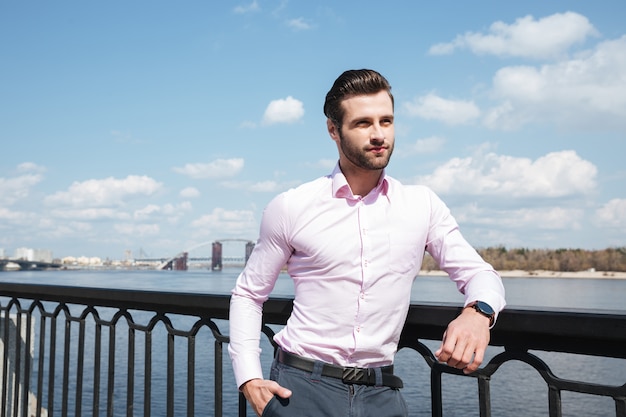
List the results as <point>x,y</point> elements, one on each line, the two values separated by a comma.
<point>246,367</point>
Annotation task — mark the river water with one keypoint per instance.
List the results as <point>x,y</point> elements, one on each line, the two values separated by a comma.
<point>516,389</point>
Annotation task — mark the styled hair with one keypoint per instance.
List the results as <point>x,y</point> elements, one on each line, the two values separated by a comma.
<point>353,83</point>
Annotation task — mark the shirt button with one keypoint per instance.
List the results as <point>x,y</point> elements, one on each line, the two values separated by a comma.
<point>362,295</point>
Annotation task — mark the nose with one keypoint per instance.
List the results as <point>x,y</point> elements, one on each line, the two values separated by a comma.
<point>377,132</point>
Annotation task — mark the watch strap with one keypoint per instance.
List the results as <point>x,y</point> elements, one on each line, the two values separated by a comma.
<point>484,309</point>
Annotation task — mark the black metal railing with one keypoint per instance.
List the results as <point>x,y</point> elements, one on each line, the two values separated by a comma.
<point>73,351</point>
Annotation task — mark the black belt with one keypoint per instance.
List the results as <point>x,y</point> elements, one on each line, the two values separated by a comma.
<point>349,375</point>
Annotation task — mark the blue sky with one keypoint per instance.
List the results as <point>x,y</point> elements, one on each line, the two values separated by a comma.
<point>159,125</point>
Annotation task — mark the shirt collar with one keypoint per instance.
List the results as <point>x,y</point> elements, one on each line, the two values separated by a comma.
<point>341,188</point>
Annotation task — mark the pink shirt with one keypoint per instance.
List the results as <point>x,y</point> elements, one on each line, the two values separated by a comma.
<point>353,261</point>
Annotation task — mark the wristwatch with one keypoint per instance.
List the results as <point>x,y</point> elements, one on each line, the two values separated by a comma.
<point>484,309</point>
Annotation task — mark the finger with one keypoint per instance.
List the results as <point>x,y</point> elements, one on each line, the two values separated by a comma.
<point>466,358</point>
<point>458,358</point>
<point>479,356</point>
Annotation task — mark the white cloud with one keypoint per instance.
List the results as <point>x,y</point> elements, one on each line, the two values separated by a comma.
<point>189,192</point>
<point>288,110</point>
<point>327,164</point>
<point>299,24</point>
<point>90,213</point>
<point>220,168</point>
<point>17,188</point>
<point>171,209</point>
<point>427,145</point>
<point>266,186</point>
<point>56,231</point>
<point>105,192</point>
<point>586,91</point>
<point>433,107</point>
<point>171,213</point>
<point>30,167</point>
<point>12,216</point>
<point>547,37</point>
<point>612,214</point>
<point>132,229</point>
<point>557,174</point>
<point>226,223</point>
<point>146,212</point>
<point>544,218</point>
<point>249,8</point>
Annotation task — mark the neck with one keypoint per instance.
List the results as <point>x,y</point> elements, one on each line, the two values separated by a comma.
<point>361,181</point>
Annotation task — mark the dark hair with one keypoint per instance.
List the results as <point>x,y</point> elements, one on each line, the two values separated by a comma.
<point>352,83</point>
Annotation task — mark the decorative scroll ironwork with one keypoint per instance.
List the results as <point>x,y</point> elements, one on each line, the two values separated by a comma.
<point>73,351</point>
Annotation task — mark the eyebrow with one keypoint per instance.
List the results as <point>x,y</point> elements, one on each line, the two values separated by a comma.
<point>368,118</point>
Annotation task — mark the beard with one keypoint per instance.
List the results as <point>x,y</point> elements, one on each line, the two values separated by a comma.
<point>362,158</point>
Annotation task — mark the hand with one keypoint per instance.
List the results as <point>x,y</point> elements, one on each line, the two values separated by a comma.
<point>259,392</point>
<point>465,340</point>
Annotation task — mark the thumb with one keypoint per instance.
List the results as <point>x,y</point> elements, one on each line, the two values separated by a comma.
<point>282,392</point>
<point>443,340</point>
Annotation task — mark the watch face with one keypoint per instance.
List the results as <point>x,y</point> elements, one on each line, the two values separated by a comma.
<point>484,307</point>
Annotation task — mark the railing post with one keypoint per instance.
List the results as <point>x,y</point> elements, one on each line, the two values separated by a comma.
<point>170,375</point>
<point>17,371</point>
<point>554,401</point>
<point>40,368</point>
<point>130,372</point>
<point>191,376</point>
<point>484,395</point>
<point>80,367</point>
<point>435,392</point>
<point>111,370</point>
<point>52,363</point>
<point>242,405</point>
<point>620,407</point>
<point>66,367</point>
<point>147,395</point>
<point>97,368</point>
<point>219,377</point>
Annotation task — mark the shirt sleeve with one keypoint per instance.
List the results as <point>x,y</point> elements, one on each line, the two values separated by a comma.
<point>474,278</point>
<point>253,288</point>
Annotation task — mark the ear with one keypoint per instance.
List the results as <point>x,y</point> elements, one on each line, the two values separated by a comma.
<point>332,130</point>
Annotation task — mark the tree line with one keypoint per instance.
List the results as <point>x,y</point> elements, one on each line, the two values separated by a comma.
<point>562,260</point>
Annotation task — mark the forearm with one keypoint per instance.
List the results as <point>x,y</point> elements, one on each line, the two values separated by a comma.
<point>486,286</point>
<point>245,333</point>
<point>474,277</point>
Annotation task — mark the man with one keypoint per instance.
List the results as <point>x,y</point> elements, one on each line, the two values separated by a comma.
<point>353,243</point>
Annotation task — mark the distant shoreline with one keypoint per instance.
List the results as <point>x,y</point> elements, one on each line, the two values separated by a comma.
<point>546,274</point>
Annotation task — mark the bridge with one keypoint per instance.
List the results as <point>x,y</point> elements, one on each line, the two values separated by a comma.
<point>24,265</point>
<point>179,262</point>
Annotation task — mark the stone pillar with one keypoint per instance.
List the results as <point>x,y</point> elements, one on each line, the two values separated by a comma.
<point>180,263</point>
<point>249,249</point>
<point>216,257</point>
<point>16,377</point>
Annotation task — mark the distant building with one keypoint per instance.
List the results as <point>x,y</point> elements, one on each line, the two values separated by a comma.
<point>29,254</point>
<point>25,254</point>
<point>2,254</point>
<point>82,261</point>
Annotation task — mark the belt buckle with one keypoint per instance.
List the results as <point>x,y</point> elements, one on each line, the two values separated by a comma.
<point>354,375</point>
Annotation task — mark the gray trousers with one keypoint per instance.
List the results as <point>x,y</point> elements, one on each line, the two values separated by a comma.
<point>314,395</point>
